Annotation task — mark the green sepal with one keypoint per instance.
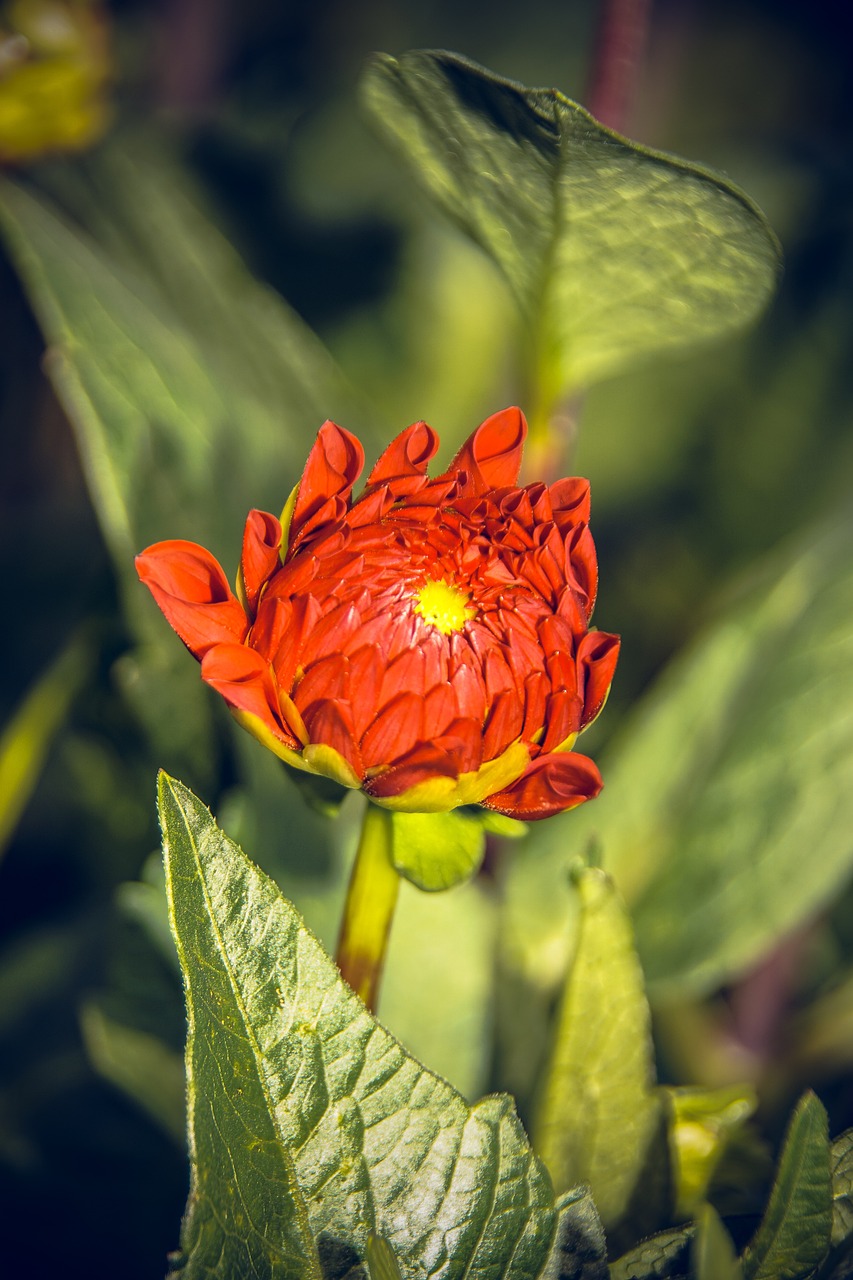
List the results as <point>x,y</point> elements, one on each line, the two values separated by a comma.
<point>438,850</point>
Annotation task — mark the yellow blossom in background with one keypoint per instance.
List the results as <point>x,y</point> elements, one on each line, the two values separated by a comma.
<point>54,71</point>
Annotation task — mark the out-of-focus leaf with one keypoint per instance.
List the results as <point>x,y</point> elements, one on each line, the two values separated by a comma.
<point>446,1020</point>
<point>193,390</point>
<point>661,1257</point>
<point>140,1065</point>
<point>794,1234</point>
<point>599,1113</point>
<point>701,1123</point>
<point>713,1254</point>
<point>381,1263</point>
<point>437,850</point>
<point>726,814</point>
<point>613,251</point>
<point>26,739</point>
<point>307,1117</point>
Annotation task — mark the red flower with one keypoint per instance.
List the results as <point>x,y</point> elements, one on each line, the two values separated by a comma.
<point>428,642</point>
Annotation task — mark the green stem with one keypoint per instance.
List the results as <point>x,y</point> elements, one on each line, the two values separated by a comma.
<point>369,908</point>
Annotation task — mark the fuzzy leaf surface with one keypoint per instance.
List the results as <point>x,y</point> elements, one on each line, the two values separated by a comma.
<point>661,1257</point>
<point>794,1234</point>
<point>613,251</point>
<point>311,1129</point>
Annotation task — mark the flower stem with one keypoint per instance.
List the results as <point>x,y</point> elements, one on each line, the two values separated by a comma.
<point>369,907</point>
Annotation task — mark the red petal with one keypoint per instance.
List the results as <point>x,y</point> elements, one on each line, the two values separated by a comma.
<point>334,464</point>
<point>504,724</point>
<point>570,502</point>
<point>563,718</point>
<point>326,678</point>
<point>331,723</point>
<point>424,762</point>
<point>403,464</point>
<point>245,681</point>
<point>365,677</point>
<point>597,658</point>
<point>491,457</point>
<point>260,559</point>
<point>463,743</point>
<point>551,785</point>
<point>395,731</point>
<point>191,589</point>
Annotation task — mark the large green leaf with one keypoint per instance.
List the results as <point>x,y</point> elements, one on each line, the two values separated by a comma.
<point>613,251</point>
<point>193,390</point>
<point>311,1129</point>
<point>599,1114</point>
<point>726,814</point>
<point>794,1234</point>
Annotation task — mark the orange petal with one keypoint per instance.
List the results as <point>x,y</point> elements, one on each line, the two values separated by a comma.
<point>191,589</point>
<point>334,464</point>
<point>260,559</point>
<point>246,683</point>
<point>551,785</point>
<point>330,724</point>
<point>491,457</point>
<point>395,731</point>
<point>424,763</point>
<point>403,464</point>
<point>597,657</point>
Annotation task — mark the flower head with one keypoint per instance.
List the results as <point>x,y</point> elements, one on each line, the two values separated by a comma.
<point>428,642</point>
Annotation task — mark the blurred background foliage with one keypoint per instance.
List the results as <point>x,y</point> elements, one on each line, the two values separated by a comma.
<point>721,489</point>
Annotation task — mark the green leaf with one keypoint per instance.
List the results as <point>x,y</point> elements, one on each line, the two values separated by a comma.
<point>579,1251</point>
<point>701,1123</point>
<point>736,762</point>
<point>613,251</point>
<point>713,1254</point>
<point>139,1064</point>
<point>599,1115</point>
<point>193,389</point>
<point>794,1234</point>
<point>841,1160</point>
<point>381,1263</point>
<point>437,850</point>
<point>311,1129</point>
<point>661,1257</point>
<point>27,738</point>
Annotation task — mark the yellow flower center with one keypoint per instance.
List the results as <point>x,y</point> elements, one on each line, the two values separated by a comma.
<point>444,606</point>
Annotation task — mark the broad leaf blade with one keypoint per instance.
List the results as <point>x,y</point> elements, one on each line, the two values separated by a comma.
<point>794,1234</point>
<point>612,250</point>
<point>193,389</point>
<point>599,1115</point>
<point>734,763</point>
<point>299,1100</point>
